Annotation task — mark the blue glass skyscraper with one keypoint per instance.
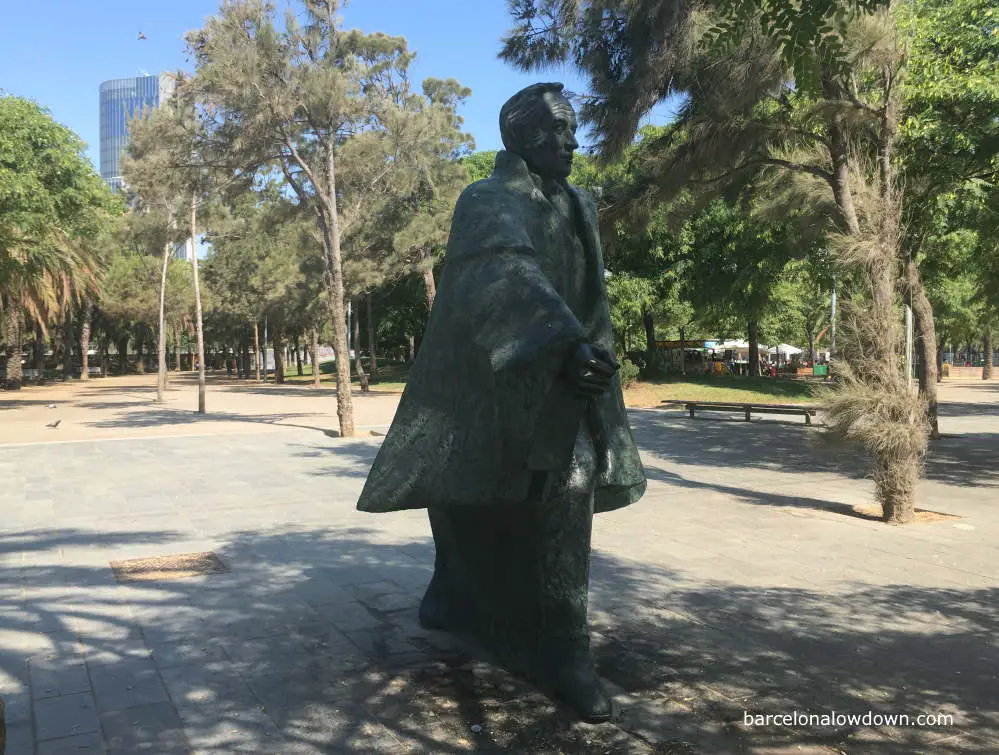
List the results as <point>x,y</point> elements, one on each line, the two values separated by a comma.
<point>121,100</point>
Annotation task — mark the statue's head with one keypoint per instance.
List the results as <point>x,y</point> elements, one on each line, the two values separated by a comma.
<point>539,125</point>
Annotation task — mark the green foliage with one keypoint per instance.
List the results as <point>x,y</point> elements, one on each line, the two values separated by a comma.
<point>808,35</point>
<point>53,210</point>
<point>951,90</point>
<point>628,372</point>
<point>949,137</point>
<point>638,53</point>
<point>427,180</point>
<point>266,263</point>
<point>738,271</point>
<point>479,165</point>
<point>131,289</point>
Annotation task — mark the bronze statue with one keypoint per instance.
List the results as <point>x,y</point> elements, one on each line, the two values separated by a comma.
<point>512,429</point>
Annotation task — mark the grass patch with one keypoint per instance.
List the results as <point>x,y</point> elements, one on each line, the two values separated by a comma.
<point>645,393</point>
<point>391,377</point>
<point>744,390</point>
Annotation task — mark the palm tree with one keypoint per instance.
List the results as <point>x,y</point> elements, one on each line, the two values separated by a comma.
<point>52,206</point>
<point>40,280</point>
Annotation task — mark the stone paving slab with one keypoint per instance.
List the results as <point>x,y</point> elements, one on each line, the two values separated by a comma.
<point>742,582</point>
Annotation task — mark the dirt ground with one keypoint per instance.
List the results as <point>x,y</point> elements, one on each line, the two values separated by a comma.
<point>125,407</point>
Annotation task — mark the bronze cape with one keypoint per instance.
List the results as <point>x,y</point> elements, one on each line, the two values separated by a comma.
<point>485,407</point>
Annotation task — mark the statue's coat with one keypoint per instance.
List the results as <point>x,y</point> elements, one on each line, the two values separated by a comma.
<point>485,406</point>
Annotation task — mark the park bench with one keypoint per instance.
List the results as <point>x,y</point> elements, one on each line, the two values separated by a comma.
<point>748,409</point>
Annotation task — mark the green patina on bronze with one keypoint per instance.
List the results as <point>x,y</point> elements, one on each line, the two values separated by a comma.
<point>485,404</point>
<point>512,430</point>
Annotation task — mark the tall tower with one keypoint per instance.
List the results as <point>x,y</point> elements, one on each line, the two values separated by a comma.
<point>121,100</point>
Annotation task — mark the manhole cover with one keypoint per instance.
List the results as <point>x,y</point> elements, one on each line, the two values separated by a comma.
<point>177,566</point>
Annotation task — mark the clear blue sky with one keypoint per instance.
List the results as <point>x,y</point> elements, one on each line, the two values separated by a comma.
<point>59,52</point>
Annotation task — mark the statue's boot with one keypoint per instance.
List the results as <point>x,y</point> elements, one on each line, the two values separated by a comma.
<point>434,613</point>
<point>572,679</point>
<point>569,675</point>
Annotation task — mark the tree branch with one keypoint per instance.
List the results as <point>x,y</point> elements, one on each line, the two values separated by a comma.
<point>797,167</point>
<point>856,101</point>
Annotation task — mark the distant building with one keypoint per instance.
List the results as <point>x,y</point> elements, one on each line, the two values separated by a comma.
<point>121,100</point>
<point>186,251</point>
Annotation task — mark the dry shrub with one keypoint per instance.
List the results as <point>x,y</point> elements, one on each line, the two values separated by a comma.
<point>870,403</point>
<point>888,421</point>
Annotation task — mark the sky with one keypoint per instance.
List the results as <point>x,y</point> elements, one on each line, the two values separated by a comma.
<point>58,52</point>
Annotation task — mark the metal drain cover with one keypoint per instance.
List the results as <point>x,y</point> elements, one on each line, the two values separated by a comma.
<point>176,566</point>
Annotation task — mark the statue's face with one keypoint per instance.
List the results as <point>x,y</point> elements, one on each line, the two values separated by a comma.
<point>552,157</point>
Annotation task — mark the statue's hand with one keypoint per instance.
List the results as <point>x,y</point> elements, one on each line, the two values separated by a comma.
<point>606,356</point>
<point>590,370</point>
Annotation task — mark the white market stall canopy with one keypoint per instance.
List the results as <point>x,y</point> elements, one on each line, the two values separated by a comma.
<point>739,346</point>
<point>785,348</point>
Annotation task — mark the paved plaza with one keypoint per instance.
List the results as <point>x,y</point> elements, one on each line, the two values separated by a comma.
<point>751,579</point>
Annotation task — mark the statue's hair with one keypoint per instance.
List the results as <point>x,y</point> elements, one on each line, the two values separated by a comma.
<point>521,116</point>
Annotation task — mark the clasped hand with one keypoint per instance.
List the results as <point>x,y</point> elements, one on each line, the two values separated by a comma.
<point>590,370</point>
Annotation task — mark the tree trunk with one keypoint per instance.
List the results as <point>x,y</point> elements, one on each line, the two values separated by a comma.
<point>326,211</point>
<point>161,375</point>
<point>648,320</point>
<point>256,349</point>
<point>85,324</point>
<point>940,359</point>
<point>430,288</point>
<point>987,347</point>
<point>897,491</point>
<point>105,359</point>
<point>40,351</point>
<point>316,372</point>
<point>67,345</point>
<point>197,304</point>
<point>411,355</point>
<point>925,343</point>
<point>839,149</point>
<point>811,346</point>
<point>298,357</point>
<point>362,377</point>
<point>12,333</point>
<point>176,349</point>
<point>373,365</point>
<point>754,348</point>
<point>683,351</point>
<point>140,346</point>
<point>895,474</point>
<point>122,347</point>
<point>278,341</point>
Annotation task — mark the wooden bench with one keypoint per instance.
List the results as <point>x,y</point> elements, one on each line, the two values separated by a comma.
<point>748,409</point>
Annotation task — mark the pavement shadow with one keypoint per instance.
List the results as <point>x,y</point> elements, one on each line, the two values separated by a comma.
<point>309,643</point>
<point>721,442</point>
<point>713,651</point>
<point>163,417</point>
<point>759,497</point>
<point>969,408</point>
<point>967,459</point>
<point>304,389</point>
